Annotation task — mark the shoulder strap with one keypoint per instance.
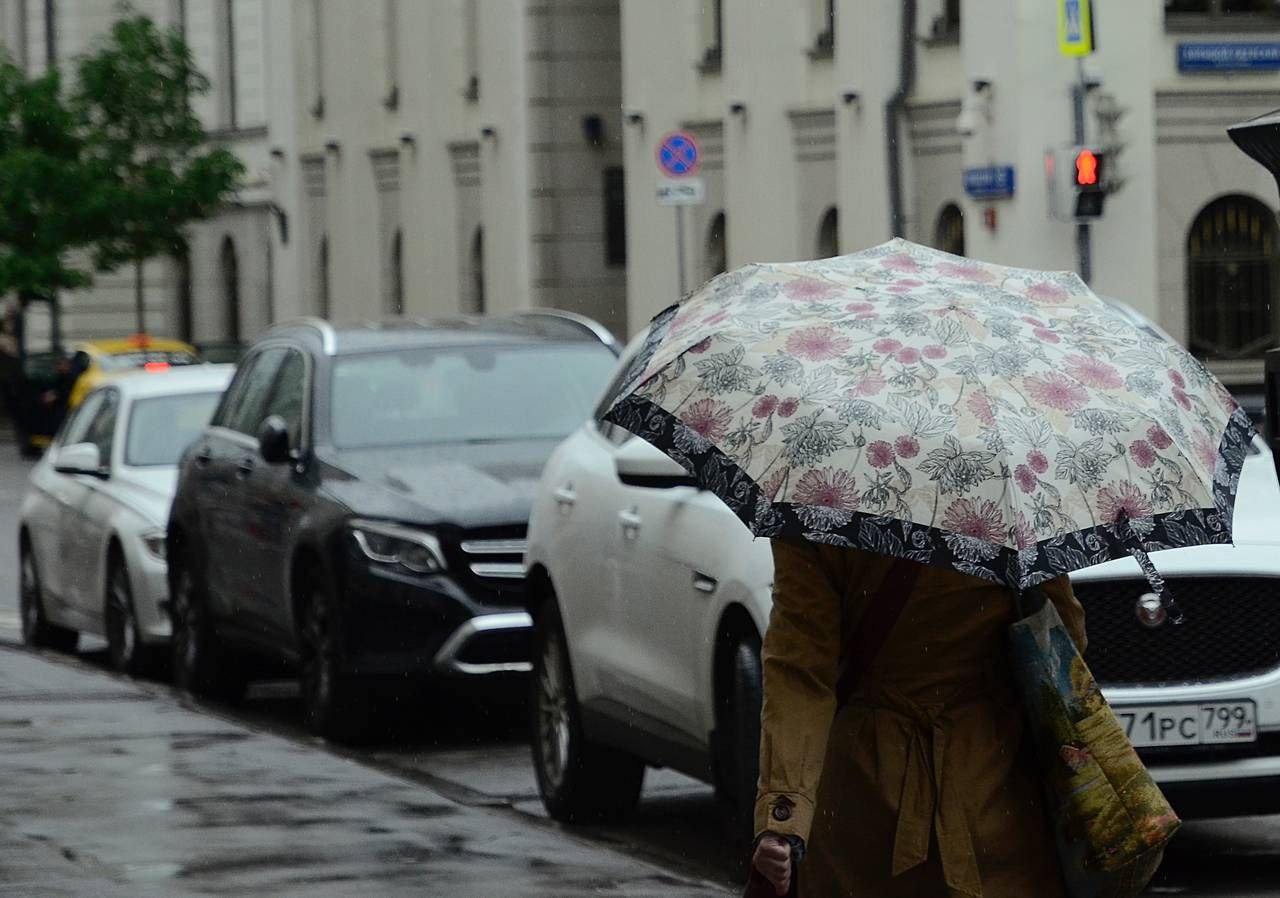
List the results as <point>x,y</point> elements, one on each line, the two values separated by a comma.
<point>867,638</point>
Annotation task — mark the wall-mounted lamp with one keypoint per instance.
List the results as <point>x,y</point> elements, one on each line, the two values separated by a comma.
<point>488,132</point>
<point>975,108</point>
<point>633,117</point>
<point>408,140</point>
<point>851,97</point>
<point>332,147</point>
<point>737,107</point>
<point>277,153</point>
<point>282,219</point>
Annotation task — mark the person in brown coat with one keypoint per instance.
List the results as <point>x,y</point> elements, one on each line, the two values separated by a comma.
<point>921,785</point>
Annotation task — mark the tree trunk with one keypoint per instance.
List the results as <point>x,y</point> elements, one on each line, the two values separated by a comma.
<point>138,302</point>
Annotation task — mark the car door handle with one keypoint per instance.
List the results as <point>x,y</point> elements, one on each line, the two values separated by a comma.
<point>204,456</point>
<point>245,467</point>
<point>565,496</point>
<point>704,583</point>
<point>630,522</point>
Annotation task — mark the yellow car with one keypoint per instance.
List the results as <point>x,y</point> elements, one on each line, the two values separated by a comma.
<point>97,359</point>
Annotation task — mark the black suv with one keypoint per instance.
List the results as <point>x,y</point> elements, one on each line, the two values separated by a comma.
<point>357,507</point>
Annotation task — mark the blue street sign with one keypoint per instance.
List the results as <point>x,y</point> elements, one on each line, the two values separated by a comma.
<point>990,182</point>
<point>1233,57</point>
<point>678,154</point>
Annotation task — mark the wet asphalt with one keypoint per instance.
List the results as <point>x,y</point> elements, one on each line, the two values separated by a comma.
<point>115,787</point>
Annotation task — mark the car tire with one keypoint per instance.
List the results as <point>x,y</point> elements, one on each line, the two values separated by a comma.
<point>579,781</point>
<point>201,664</point>
<point>126,651</point>
<point>739,739</point>
<point>37,631</point>
<point>335,704</point>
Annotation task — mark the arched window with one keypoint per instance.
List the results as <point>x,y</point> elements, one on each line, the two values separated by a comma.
<point>186,310</point>
<point>230,264</point>
<point>397,273</point>
<point>948,233</point>
<point>322,276</point>
<point>716,258</point>
<point>473,303</point>
<point>1231,278</point>
<point>829,234</point>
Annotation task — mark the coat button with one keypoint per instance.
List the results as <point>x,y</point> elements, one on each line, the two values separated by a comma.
<point>781,813</point>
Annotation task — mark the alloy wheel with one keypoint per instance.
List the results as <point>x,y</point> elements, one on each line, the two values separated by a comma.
<point>319,654</point>
<point>186,628</point>
<point>553,713</point>
<point>121,626</point>
<point>29,597</point>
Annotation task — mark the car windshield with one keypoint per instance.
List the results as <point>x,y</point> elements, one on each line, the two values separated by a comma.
<point>162,427</point>
<point>465,394</point>
<point>123,361</point>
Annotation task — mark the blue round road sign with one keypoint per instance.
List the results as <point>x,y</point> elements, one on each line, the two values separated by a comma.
<point>678,154</point>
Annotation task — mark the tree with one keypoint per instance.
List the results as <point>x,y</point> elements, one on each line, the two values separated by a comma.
<point>133,96</point>
<point>51,196</point>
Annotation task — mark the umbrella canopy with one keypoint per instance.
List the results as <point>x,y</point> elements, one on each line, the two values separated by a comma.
<point>1002,421</point>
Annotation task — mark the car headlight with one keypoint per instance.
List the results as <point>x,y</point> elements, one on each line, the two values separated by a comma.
<point>396,546</point>
<point>155,543</point>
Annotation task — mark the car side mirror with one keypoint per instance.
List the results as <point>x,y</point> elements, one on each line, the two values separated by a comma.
<point>640,464</point>
<point>273,440</point>
<point>80,458</point>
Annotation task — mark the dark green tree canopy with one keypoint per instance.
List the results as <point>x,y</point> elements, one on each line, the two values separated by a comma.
<point>133,100</point>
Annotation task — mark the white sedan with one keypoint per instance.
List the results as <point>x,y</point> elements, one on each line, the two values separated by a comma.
<point>650,597</point>
<point>91,537</point>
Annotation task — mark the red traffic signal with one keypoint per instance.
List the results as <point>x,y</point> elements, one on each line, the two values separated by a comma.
<point>1088,166</point>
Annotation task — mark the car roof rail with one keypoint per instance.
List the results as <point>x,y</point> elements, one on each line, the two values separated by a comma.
<point>582,322</point>
<point>328,337</point>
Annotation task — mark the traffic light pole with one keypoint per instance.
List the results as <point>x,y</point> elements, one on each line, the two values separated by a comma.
<point>1084,253</point>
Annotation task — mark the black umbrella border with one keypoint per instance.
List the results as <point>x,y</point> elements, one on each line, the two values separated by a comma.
<point>716,472</point>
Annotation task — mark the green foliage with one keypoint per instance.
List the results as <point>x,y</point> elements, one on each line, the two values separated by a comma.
<point>50,195</point>
<point>133,99</point>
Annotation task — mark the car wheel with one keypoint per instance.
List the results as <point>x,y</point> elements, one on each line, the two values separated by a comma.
<point>578,780</point>
<point>334,703</point>
<point>37,632</point>
<point>739,741</point>
<point>200,663</point>
<point>125,649</point>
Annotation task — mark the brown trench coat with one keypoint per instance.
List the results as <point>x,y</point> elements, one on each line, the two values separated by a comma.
<point>921,785</point>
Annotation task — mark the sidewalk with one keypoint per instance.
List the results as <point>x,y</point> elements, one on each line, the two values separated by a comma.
<point>112,788</point>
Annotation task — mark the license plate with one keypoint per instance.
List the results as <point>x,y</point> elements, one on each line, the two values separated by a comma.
<point>1211,723</point>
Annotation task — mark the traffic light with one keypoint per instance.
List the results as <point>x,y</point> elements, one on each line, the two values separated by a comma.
<point>1089,169</point>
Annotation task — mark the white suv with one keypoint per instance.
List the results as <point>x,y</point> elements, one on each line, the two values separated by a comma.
<point>650,598</point>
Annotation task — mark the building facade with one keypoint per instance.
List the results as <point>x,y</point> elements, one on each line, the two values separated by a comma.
<point>492,155</point>
<point>836,124</point>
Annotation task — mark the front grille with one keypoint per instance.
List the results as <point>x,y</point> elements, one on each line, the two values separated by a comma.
<point>489,562</point>
<point>1232,630</point>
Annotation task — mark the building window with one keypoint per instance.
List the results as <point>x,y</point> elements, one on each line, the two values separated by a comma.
<point>317,60</point>
<point>391,38</point>
<point>716,260</point>
<point>471,48</point>
<point>615,217</point>
<point>1193,14</point>
<point>322,277</point>
<point>1231,279</point>
<point>186,308</point>
<point>228,64</point>
<point>946,24</point>
<point>230,264</point>
<point>475,298</point>
<point>824,43</point>
<point>397,273</point>
<point>713,36</point>
<point>948,233</point>
<point>829,234</point>
<point>50,35</point>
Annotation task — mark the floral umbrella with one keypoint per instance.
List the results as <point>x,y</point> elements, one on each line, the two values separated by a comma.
<point>1002,421</point>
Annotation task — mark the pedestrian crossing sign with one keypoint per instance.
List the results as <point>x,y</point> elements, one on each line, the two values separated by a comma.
<point>1075,27</point>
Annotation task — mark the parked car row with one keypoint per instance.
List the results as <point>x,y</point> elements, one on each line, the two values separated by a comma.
<point>354,510</point>
<point>445,499</point>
